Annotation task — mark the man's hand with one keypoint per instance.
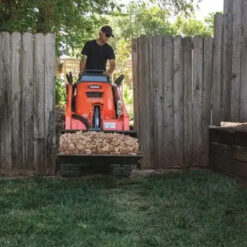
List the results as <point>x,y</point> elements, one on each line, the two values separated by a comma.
<point>82,65</point>
<point>107,73</point>
<point>80,73</point>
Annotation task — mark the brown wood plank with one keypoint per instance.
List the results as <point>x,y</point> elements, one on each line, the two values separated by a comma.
<point>217,72</point>
<point>158,101</point>
<point>135,86</point>
<point>168,121</point>
<point>146,104</point>
<point>236,61</point>
<point>39,99</point>
<point>187,77</point>
<point>151,100</point>
<point>227,61</point>
<point>206,96</point>
<point>16,99</point>
<point>178,100</point>
<point>6,106</point>
<point>140,91</point>
<point>27,101</point>
<point>197,98</point>
<point>50,133</point>
<point>1,99</point>
<point>243,87</point>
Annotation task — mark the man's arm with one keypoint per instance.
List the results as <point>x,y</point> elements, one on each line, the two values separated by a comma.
<point>83,64</point>
<point>112,67</point>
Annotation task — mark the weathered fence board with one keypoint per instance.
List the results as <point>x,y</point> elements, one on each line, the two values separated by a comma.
<point>39,99</point>
<point>50,132</point>
<point>135,78</point>
<point>140,106</point>
<point>16,100</point>
<point>27,101</point>
<point>226,62</point>
<point>158,95</point>
<point>168,138</point>
<point>206,96</point>
<point>188,103</point>
<point>217,71</point>
<point>1,98</point>
<point>178,100</point>
<point>151,100</point>
<point>6,107</point>
<point>146,97</point>
<point>243,87</point>
<point>236,60</point>
<point>197,97</point>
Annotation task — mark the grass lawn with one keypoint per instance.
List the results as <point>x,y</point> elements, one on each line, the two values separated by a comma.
<point>187,209</point>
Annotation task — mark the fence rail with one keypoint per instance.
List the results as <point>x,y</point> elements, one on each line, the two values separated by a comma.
<point>27,93</point>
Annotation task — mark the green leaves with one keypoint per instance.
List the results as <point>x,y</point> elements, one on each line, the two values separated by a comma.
<point>73,21</point>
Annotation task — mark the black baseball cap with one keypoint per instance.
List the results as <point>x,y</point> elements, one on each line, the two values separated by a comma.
<point>107,30</point>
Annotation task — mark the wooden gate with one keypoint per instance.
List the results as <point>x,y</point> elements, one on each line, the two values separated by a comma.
<point>27,94</point>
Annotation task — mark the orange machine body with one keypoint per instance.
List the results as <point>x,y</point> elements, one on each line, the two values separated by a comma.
<point>93,92</point>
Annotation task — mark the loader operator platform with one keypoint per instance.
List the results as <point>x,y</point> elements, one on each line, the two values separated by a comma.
<point>97,52</point>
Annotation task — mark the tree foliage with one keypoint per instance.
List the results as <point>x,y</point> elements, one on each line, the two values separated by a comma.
<point>73,21</point>
<point>191,27</point>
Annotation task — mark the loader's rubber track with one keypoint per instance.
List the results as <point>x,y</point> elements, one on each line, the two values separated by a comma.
<point>70,170</point>
<point>121,170</point>
<point>118,165</point>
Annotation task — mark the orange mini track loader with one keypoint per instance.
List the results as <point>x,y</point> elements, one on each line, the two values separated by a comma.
<point>95,103</point>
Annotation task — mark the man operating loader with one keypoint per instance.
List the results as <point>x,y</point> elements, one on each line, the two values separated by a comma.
<point>96,53</point>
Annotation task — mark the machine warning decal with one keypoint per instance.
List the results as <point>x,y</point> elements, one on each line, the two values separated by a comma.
<point>94,86</point>
<point>111,125</point>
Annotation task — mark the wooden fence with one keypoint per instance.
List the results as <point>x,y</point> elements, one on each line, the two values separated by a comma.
<point>230,63</point>
<point>27,90</point>
<point>172,92</point>
<point>182,85</point>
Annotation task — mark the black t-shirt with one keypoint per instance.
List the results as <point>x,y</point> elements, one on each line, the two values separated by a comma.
<point>97,55</point>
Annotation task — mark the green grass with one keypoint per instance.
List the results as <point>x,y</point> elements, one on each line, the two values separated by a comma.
<point>190,209</point>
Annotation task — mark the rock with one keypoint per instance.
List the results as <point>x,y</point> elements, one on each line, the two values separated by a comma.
<point>92,142</point>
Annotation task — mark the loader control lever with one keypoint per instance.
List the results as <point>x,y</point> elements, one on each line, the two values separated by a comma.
<point>69,78</point>
<point>119,80</point>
